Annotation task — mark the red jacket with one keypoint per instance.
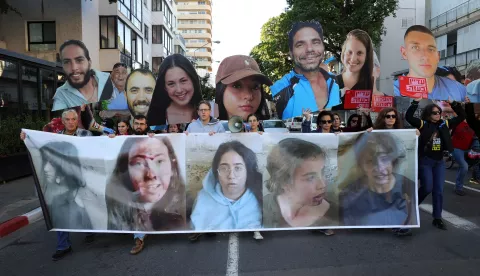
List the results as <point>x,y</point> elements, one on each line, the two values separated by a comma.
<point>462,136</point>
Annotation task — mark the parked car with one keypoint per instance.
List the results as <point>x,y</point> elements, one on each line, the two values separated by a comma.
<point>274,126</point>
<point>294,124</point>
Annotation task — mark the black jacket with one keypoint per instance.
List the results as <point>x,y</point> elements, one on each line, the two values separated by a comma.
<point>471,120</point>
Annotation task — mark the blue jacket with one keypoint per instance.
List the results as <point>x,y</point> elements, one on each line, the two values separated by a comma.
<point>213,211</point>
<point>443,89</point>
<point>303,96</point>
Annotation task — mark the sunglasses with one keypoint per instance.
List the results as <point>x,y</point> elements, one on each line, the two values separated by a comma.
<point>436,112</point>
<point>326,121</point>
<point>391,116</point>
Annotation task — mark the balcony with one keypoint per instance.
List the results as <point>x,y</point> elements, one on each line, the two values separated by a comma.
<point>460,60</point>
<point>203,63</point>
<point>200,54</point>
<point>194,7</point>
<point>458,17</point>
<point>194,16</point>
<point>195,26</point>
<point>193,35</point>
<point>199,45</point>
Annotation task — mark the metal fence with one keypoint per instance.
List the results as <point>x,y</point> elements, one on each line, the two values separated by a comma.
<point>462,59</point>
<point>452,15</point>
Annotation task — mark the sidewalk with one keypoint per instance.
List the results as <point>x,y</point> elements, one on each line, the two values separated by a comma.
<point>17,197</point>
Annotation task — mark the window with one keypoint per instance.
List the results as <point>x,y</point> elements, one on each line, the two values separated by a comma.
<point>201,2</point>
<point>121,36</point>
<point>132,9</point>
<point>42,36</point>
<point>156,61</point>
<point>145,3</point>
<point>107,32</point>
<point>124,7</point>
<point>157,5</point>
<point>130,45</point>
<point>167,43</point>
<point>145,33</point>
<point>157,34</point>
<point>407,22</point>
<point>167,15</point>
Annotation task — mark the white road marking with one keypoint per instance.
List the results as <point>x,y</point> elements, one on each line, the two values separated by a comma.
<point>465,187</point>
<point>451,218</point>
<point>233,255</point>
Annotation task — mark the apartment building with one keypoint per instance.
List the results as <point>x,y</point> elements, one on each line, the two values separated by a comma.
<point>140,33</point>
<point>195,24</point>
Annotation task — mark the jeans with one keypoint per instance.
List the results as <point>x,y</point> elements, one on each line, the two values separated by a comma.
<point>138,236</point>
<point>63,240</point>
<point>459,156</point>
<point>432,178</point>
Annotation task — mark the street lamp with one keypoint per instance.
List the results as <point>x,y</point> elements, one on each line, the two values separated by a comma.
<point>195,58</point>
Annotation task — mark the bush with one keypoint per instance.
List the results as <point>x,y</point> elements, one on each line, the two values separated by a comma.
<point>10,128</point>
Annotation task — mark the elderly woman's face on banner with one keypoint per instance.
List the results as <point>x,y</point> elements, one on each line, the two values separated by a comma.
<point>378,165</point>
<point>232,174</point>
<point>150,169</point>
<point>242,97</point>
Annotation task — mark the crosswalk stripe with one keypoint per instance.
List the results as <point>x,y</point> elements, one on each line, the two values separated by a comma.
<point>451,218</point>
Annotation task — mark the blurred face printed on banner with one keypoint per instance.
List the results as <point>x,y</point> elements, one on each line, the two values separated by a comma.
<point>119,77</point>
<point>242,97</point>
<point>76,66</point>
<point>150,169</point>
<point>355,54</point>
<point>179,86</point>
<point>70,121</point>
<point>308,50</point>
<point>139,92</point>
<point>378,165</point>
<point>140,126</point>
<point>50,172</point>
<point>309,184</point>
<point>232,175</point>
<point>204,112</point>
<point>421,52</point>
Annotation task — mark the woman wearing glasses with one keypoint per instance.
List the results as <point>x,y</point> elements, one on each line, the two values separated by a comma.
<point>324,122</point>
<point>232,191</point>
<point>434,139</point>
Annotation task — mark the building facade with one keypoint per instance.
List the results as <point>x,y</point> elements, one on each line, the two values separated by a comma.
<point>195,24</point>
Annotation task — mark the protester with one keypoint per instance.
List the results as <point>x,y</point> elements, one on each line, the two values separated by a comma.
<point>177,92</point>
<point>205,123</point>
<point>337,121</point>
<point>84,85</point>
<point>123,127</point>
<point>434,139</point>
<point>462,138</point>
<point>139,87</point>
<point>421,52</point>
<point>239,89</point>
<point>307,85</point>
<point>357,58</point>
<point>70,122</point>
<point>255,125</point>
<point>174,128</point>
<point>295,200</point>
<point>232,190</point>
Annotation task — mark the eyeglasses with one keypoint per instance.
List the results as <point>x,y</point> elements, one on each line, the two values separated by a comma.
<point>326,121</point>
<point>388,116</point>
<point>226,170</point>
<point>204,110</point>
<point>436,112</point>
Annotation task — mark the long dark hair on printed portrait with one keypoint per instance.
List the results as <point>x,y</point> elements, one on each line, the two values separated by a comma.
<point>262,112</point>
<point>254,177</point>
<point>168,213</point>
<point>157,113</point>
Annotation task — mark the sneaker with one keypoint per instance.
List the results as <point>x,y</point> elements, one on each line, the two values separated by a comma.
<point>439,224</point>
<point>59,254</point>
<point>194,237</point>
<point>138,246</point>
<point>90,238</point>
<point>474,181</point>
<point>460,192</point>
<point>402,232</point>
<point>327,232</point>
<point>257,235</point>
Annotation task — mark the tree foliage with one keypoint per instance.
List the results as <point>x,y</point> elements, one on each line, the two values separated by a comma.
<point>208,91</point>
<point>337,17</point>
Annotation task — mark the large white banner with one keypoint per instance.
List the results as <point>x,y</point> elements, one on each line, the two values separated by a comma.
<point>176,183</point>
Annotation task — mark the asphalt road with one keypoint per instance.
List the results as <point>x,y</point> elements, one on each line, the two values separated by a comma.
<point>350,252</point>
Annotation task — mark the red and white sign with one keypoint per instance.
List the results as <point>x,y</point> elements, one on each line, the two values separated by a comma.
<point>355,99</point>
<point>380,102</point>
<point>413,87</point>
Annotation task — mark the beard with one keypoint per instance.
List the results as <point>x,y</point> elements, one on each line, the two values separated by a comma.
<point>87,76</point>
<point>140,132</point>
<point>309,67</point>
<point>133,106</point>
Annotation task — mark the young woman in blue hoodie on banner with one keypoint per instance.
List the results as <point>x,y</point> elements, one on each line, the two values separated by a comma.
<point>232,190</point>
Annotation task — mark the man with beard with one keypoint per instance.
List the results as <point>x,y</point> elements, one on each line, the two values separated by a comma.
<point>84,85</point>
<point>139,87</point>
<point>307,86</point>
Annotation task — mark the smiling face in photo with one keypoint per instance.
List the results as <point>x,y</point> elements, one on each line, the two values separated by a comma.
<point>308,50</point>
<point>76,66</point>
<point>355,55</point>
<point>179,86</point>
<point>139,93</point>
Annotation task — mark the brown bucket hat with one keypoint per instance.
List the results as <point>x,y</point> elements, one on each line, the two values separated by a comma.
<point>237,67</point>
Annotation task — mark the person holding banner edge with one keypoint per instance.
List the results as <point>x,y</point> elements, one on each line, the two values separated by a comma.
<point>70,121</point>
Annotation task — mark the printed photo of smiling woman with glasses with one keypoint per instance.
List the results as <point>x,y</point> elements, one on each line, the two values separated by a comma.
<point>231,197</point>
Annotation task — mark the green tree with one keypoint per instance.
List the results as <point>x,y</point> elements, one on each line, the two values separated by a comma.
<point>208,91</point>
<point>338,17</point>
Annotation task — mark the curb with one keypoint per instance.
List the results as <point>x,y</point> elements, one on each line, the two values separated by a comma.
<point>16,223</point>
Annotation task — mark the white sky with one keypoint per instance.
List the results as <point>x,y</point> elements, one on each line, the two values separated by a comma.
<point>237,25</point>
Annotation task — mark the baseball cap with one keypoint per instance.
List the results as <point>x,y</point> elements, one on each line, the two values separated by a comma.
<point>237,67</point>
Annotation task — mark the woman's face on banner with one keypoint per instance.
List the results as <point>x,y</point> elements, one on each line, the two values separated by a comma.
<point>150,169</point>
<point>179,86</point>
<point>242,97</point>
<point>355,55</point>
<point>122,128</point>
<point>50,172</point>
<point>232,175</point>
<point>378,166</point>
<point>309,184</point>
